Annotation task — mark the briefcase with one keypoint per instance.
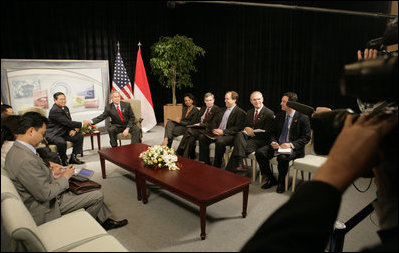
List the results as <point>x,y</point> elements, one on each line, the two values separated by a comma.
<point>79,187</point>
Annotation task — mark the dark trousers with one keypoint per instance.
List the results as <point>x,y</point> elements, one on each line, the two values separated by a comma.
<point>187,144</point>
<point>243,146</point>
<point>172,130</point>
<point>60,142</point>
<point>220,147</point>
<point>264,154</point>
<point>114,130</point>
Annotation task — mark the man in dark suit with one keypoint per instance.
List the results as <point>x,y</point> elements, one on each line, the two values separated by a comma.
<point>122,119</point>
<point>62,128</point>
<point>247,141</point>
<point>229,121</point>
<point>290,131</point>
<point>205,120</point>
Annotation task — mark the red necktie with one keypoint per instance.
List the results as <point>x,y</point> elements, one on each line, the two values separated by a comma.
<point>206,114</point>
<point>120,114</point>
<point>256,116</point>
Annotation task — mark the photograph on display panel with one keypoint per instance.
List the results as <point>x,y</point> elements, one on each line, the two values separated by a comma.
<point>27,83</point>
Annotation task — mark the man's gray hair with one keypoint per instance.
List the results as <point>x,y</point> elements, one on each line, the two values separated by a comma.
<point>209,94</point>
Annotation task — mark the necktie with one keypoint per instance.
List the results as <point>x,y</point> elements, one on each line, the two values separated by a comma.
<point>256,116</point>
<point>284,132</point>
<point>224,119</point>
<point>206,114</point>
<point>120,114</point>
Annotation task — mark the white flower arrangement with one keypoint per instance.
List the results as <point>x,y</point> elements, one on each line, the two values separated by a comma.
<point>160,156</point>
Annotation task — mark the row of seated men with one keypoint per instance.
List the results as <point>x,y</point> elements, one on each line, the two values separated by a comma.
<point>257,130</point>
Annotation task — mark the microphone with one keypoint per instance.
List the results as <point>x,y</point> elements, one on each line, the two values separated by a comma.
<point>305,109</point>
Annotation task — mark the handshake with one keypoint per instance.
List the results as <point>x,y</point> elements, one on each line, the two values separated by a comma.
<point>86,123</point>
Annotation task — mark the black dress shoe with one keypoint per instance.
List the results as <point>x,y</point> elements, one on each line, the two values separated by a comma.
<point>280,188</point>
<point>75,160</point>
<point>111,224</point>
<point>269,183</point>
<point>64,162</point>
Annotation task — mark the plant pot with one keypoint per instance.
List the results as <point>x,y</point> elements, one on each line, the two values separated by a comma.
<point>171,111</point>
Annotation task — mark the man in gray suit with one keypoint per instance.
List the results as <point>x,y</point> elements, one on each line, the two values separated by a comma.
<point>46,197</point>
<point>122,120</point>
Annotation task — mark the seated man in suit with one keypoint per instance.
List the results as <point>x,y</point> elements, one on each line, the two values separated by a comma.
<point>229,121</point>
<point>205,120</point>
<point>290,130</point>
<point>247,141</point>
<point>61,128</point>
<point>45,194</point>
<point>122,119</point>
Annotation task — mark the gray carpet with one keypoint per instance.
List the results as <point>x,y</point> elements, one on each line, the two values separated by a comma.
<point>170,223</point>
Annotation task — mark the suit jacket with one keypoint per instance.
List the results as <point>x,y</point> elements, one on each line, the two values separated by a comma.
<point>60,122</point>
<point>110,111</point>
<point>236,120</point>
<point>35,183</point>
<point>191,117</point>
<point>299,133</point>
<point>264,121</point>
<point>209,121</point>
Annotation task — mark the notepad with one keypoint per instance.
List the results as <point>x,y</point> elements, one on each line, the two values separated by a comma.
<point>284,151</point>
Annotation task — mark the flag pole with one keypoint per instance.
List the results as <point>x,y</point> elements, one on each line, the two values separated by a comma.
<point>117,44</point>
<point>139,44</point>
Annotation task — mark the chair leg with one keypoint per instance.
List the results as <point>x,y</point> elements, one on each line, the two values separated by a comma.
<point>253,165</point>
<point>120,143</point>
<point>287,177</point>
<point>295,173</point>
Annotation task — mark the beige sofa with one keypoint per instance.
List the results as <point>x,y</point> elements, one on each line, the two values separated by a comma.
<point>77,231</point>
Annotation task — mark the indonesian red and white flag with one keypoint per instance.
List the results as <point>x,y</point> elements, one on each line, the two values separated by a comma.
<point>143,93</point>
<point>121,81</point>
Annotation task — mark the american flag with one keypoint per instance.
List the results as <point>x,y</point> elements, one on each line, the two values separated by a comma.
<point>120,81</point>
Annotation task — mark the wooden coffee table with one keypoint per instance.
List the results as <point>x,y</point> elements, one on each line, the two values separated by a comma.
<point>196,182</point>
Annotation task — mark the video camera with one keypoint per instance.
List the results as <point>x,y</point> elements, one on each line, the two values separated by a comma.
<point>373,81</point>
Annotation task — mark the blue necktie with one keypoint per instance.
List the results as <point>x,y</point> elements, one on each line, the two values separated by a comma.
<point>284,132</point>
<point>226,116</point>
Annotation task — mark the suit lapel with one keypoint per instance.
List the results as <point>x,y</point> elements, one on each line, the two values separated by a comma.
<point>66,111</point>
<point>231,116</point>
<point>294,121</point>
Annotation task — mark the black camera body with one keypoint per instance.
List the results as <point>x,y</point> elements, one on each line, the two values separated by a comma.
<point>373,81</point>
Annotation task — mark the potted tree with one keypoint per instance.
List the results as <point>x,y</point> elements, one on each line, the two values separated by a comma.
<point>172,60</point>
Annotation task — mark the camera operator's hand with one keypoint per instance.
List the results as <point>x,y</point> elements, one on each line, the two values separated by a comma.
<point>368,54</point>
<point>355,150</point>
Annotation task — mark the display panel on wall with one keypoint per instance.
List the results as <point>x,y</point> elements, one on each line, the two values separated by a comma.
<point>27,83</point>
